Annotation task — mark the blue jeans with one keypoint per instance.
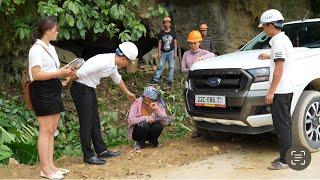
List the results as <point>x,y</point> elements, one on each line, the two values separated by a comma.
<point>164,57</point>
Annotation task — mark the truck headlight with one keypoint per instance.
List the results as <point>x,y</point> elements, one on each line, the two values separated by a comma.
<point>188,85</point>
<point>260,74</point>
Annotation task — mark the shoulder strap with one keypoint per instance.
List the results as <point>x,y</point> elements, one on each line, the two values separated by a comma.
<point>55,63</point>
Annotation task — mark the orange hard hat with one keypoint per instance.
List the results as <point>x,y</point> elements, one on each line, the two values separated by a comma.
<point>203,27</point>
<point>194,36</point>
<point>167,18</point>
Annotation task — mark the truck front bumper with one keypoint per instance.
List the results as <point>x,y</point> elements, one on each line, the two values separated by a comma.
<point>246,112</point>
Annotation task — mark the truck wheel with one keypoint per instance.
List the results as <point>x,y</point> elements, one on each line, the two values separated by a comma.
<point>306,121</point>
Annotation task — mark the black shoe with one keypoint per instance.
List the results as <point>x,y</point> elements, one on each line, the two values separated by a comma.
<point>94,160</point>
<point>154,143</point>
<point>109,154</point>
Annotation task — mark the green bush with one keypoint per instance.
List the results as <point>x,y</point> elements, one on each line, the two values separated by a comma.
<point>18,131</point>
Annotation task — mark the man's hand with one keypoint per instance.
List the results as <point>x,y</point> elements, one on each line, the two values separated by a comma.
<point>131,97</point>
<point>150,120</point>
<point>269,98</point>
<point>264,56</point>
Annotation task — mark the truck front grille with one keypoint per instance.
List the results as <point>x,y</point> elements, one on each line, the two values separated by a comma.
<point>228,79</point>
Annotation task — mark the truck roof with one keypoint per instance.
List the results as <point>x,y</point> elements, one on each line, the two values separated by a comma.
<point>301,21</point>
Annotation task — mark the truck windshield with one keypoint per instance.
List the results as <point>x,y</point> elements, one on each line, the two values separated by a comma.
<point>304,34</point>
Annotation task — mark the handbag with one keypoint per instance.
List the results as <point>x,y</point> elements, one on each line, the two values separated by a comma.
<point>27,94</point>
<point>26,84</point>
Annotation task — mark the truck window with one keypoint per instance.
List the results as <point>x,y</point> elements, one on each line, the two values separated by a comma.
<point>304,34</point>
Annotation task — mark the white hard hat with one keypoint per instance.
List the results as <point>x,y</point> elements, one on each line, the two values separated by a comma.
<point>129,49</point>
<point>269,16</point>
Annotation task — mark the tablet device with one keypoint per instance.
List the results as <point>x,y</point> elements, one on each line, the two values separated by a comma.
<point>76,63</point>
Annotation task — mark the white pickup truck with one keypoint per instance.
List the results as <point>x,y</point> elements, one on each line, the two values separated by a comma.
<point>225,94</point>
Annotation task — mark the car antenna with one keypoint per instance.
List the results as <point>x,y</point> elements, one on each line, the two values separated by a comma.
<point>305,16</point>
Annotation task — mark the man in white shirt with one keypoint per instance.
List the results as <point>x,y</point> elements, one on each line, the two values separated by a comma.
<point>280,92</point>
<point>85,100</point>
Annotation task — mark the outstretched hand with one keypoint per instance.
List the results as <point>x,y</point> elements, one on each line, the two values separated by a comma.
<point>131,97</point>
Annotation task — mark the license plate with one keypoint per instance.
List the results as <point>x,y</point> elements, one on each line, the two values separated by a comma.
<point>210,101</point>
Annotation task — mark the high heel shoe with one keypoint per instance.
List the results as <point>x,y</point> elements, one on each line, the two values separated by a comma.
<point>54,176</point>
<point>64,171</point>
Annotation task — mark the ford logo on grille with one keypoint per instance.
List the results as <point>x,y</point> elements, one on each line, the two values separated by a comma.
<point>214,82</point>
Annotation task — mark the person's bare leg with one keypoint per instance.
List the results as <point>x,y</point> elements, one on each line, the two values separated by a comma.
<point>43,144</point>
<point>53,124</point>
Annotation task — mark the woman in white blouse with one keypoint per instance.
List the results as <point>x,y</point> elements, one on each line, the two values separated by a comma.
<point>44,72</point>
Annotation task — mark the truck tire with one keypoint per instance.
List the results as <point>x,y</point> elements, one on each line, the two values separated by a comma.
<point>306,121</point>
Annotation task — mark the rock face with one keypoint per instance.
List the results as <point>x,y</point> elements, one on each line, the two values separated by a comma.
<point>231,22</point>
<point>65,55</point>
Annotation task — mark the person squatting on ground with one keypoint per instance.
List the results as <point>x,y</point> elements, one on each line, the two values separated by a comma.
<point>147,116</point>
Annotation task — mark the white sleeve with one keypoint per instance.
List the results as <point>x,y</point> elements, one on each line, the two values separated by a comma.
<point>89,68</point>
<point>279,51</point>
<point>35,57</point>
<point>115,76</point>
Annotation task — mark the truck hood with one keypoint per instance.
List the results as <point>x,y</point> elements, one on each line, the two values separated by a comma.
<point>239,59</point>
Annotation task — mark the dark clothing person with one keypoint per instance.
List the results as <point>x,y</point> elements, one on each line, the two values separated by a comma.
<point>144,132</point>
<point>167,40</point>
<point>207,44</point>
<point>85,100</point>
<point>280,110</point>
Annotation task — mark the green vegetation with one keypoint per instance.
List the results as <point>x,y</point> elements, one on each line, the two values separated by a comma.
<point>77,20</point>
<point>19,129</point>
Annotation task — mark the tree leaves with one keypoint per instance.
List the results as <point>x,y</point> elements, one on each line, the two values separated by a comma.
<point>69,20</point>
<point>64,33</point>
<point>5,137</point>
<point>80,24</point>
<point>73,7</point>
<point>101,17</point>
<point>5,152</point>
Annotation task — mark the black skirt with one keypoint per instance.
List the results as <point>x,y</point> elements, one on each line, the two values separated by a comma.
<point>46,97</point>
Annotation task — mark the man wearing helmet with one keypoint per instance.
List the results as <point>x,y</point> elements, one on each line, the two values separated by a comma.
<point>280,92</point>
<point>167,51</point>
<point>84,97</point>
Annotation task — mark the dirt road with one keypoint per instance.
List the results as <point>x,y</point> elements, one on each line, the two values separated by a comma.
<point>242,164</point>
<point>243,157</point>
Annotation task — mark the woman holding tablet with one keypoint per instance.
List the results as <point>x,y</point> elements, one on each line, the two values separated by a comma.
<point>45,92</point>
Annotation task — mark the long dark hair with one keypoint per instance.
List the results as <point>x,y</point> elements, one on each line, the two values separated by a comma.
<point>44,25</point>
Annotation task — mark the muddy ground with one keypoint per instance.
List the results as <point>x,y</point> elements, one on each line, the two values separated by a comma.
<point>173,154</point>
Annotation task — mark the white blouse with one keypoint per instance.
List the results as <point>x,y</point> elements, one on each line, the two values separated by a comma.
<point>39,57</point>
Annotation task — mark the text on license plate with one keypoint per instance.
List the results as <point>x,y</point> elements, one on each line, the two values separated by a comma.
<point>210,101</point>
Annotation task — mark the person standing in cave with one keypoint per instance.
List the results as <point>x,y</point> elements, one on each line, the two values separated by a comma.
<point>167,50</point>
